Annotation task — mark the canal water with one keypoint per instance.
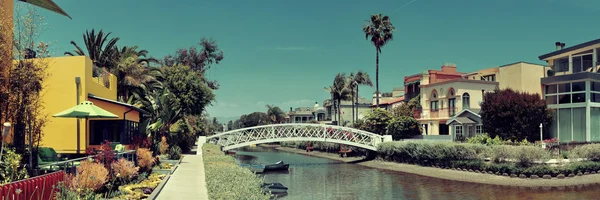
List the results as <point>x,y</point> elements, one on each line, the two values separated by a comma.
<point>319,178</point>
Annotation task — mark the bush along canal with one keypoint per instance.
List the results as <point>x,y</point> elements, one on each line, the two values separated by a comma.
<point>311,177</point>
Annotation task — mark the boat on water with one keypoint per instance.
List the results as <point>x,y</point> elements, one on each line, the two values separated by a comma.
<point>277,166</point>
<point>274,188</point>
<point>254,168</point>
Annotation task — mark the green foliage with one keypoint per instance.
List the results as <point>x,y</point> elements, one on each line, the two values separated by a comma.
<point>10,168</point>
<point>376,121</point>
<point>226,180</point>
<point>527,155</point>
<point>407,109</point>
<point>175,153</point>
<point>485,139</point>
<point>254,119</point>
<point>588,151</point>
<point>526,111</point>
<point>539,170</point>
<point>586,166</point>
<point>426,152</point>
<point>189,90</point>
<point>403,127</point>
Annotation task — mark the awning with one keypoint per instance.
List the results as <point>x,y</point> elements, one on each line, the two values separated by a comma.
<point>119,103</point>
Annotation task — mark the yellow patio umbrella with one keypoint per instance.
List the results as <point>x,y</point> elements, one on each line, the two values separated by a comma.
<point>85,110</point>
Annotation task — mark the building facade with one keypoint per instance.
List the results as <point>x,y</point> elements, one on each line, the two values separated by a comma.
<point>519,76</point>
<point>442,101</point>
<point>73,80</point>
<point>411,83</point>
<point>572,91</point>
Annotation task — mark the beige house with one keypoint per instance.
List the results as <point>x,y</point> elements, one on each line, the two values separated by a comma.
<point>572,91</point>
<point>364,106</point>
<point>442,102</point>
<point>520,76</point>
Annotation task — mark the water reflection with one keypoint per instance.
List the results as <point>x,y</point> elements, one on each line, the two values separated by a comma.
<point>318,178</point>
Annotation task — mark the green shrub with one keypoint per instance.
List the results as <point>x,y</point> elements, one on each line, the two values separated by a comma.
<point>427,152</point>
<point>175,153</point>
<point>403,127</point>
<point>582,167</point>
<point>226,180</point>
<point>485,139</point>
<point>509,168</point>
<point>502,153</point>
<point>588,151</point>
<point>470,164</point>
<point>540,170</point>
<point>376,121</point>
<point>527,155</point>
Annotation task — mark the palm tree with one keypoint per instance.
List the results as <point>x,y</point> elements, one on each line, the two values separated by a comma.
<point>361,78</point>
<point>380,30</point>
<point>131,70</point>
<point>340,90</point>
<point>275,114</point>
<point>99,48</point>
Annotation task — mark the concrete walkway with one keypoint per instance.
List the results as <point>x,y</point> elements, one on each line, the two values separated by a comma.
<point>187,182</point>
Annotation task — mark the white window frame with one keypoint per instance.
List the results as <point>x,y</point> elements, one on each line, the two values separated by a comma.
<point>457,128</point>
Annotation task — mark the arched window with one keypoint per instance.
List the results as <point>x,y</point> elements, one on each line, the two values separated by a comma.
<point>466,100</point>
<point>450,92</point>
<point>434,94</point>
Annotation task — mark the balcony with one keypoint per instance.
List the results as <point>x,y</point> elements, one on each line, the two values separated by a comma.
<point>437,113</point>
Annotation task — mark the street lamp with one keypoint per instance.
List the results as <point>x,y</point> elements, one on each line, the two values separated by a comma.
<point>4,134</point>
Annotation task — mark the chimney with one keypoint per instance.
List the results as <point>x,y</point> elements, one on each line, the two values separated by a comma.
<point>559,45</point>
<point>290,109</point>
<point>449,67</point>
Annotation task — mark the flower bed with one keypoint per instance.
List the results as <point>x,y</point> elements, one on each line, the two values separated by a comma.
<point>506,160</point>
<point>226,180</point>
<point>103,177</point>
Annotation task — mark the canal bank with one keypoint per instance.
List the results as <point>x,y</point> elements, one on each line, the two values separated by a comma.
<point>454,175</point>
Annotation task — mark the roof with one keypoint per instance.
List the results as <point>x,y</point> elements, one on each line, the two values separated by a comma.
<point>392,101</point>
<point>119,103</point>
<point>471,110</point>
<point>579,46</point>
<point>461,120</point>
<point>460,80</point>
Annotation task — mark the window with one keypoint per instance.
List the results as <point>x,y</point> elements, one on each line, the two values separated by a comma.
<point>434,94</point>
<point>451,92</point>
<point>466,100</point>
<point>458,130</point>
<point>479,129</point>
<point>566,93</point>
<point>434,106</point>
<point>489,78</point>
<point>113,131</point>
<point>552,89</point>
<point>561,64</point>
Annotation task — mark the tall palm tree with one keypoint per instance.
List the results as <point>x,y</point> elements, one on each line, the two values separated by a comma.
<point>131,70</point>
<point>380,30</point>
<point>340,91</point>
<point>275,114</point>
<point>99,48</point>
<point>361,78</point>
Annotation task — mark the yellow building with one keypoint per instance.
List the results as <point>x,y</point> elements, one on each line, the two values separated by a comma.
<point>520,76</point>
<point>74,79</point>
<point>442,102</point>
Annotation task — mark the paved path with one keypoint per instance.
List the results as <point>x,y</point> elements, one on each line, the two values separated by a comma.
<point>187,182</point>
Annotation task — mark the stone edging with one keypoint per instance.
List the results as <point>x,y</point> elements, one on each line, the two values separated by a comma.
<point>159,187</point>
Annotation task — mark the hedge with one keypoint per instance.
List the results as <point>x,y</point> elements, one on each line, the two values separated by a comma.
<point>227,180</point>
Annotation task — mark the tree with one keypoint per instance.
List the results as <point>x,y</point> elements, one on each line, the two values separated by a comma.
<point>375,121</point>
<point>275,114</point>
<point>99,47</point>
<point>254,119</point>
<point>340,90</point>
<point>190,93</point>
<point>131,70</point>
<point>403,127</point>
<point>380,30</point>
<point>361,78</point>
<point>230,125</point>
<point>515,115</point>
<point>407,108</point>
<point>199,60</point>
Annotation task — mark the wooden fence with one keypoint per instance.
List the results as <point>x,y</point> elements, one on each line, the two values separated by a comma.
<point>38,188</point>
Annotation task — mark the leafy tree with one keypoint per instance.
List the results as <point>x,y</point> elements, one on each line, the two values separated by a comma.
<point>403,127</point>
<point>99,47</point>
<point>375,121</point>
<point>131,69</point>
<point>230,125</point>
<point>190,93</point>
<point>199,60</point>
<point>254,119</point>
<point>380,30</point>
<point>515,115</point>
<point>408,108</point>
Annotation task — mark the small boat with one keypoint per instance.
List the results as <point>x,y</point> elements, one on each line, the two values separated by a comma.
<point>274,188</point>
<point>277,166</point>
<point>254,168</point>
<point>230,152</point>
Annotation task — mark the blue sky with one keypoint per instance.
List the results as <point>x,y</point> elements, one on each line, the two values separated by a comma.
<point>284,52</point>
